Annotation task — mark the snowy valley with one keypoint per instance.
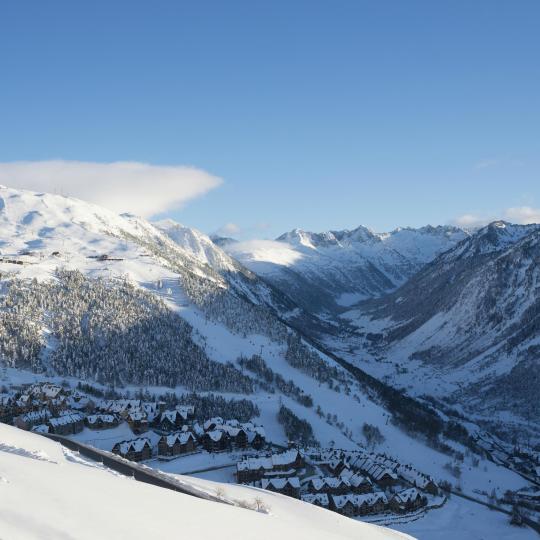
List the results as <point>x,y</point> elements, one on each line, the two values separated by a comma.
<point>301,344</point>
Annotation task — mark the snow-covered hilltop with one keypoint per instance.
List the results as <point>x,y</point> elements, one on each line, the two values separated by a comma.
<point>47,491</point>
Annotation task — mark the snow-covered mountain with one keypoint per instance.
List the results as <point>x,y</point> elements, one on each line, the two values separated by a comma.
<point>327,272</point>
<point>47,491</point>
<point>89,295</point>
<point>468,322</point>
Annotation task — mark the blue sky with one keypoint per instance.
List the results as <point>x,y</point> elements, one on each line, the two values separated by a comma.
<point>314,114</point>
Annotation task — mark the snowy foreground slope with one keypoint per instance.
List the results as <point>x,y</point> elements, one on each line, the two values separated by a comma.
<point>48,493</point>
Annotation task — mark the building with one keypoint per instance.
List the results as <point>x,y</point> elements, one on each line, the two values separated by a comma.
<point>407,501</point>
<point>135,450</point>
<point>215,441</point>
<point>101,421</point>
<point>33,418</point>
<point>318,499</point>
<point>284,464</point>
<point>285,486</point>
<point>137,421</point>
<point>67,424</point>
<point>177,443</point>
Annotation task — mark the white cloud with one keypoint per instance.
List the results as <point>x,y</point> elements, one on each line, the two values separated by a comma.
<point>470,221</point>
<point>229,229</point>
<point>123,186</point>
<point>522,215</point>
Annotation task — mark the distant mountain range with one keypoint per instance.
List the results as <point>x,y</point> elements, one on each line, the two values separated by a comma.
<point>440,310</point>
<point>327,272</point>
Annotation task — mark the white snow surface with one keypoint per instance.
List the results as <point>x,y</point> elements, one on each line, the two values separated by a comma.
<point>49,493</point>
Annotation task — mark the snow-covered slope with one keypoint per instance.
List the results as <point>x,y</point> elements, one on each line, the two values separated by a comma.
<point>326,272</point>
<point>47,492</point>
<point>475,327</point>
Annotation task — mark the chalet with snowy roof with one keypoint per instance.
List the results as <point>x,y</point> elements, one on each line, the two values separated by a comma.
<point>318,499</point>
<point>285,486</point>
<point>153,411</point>
<point>215,441</point>
<point>178,443</point>
<point>32,418</point>
<point>137,421</point>
<point>418,479</point>
<point>172,420</point>
<point>187,411</point>
<point>252,469</point>
<point>289,459</point>
<point>379,473</point>
<point>135,450</point>
<point>101,421</point>
<point>237,435</point>
<point>330,484</point>
<point>358,483</point>
<point>407,500</point>
<point>67,424</point>
<point>336,466</point>
<point>212,423</point>
<point>359,505</point>
<point>256,439</point>
<point>80,402</point>
<point>121,406</point>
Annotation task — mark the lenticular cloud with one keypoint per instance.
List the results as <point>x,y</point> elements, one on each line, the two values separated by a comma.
<point>122,186</point>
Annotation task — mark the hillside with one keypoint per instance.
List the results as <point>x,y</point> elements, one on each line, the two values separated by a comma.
<point>87,296</point>
<point>475,325</point>
<point>48,492</point>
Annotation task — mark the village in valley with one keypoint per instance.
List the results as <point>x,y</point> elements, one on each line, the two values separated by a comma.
<point>175,439</point>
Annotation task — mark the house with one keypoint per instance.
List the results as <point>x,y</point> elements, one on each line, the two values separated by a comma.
<point>215,441</point>
<point>359,505</point>
<point>212,423</point>
<point>80,402</point>
<point>289,459</point>
<point>337,466</point>
<point>32,418</point>
<point>137,421</point>
<point>284,464</point>
<point>135,450</point>
<point>285,486</point>
<point>176,443</point>
<point>67,424</point>
<point>407,501</point>
<point>237,435</point>
<point>342,504</point>
<point>359,484</point>
<point>121,406</point>
<point>187,411</point>
<point>330,484</point>
<point>172,420</point>
<point>318,499</point>
<point>418,479</point>
<point>256,440</point>
<point>101,421</point>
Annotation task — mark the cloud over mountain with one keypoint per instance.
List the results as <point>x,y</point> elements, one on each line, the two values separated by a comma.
<point>122,186</point>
